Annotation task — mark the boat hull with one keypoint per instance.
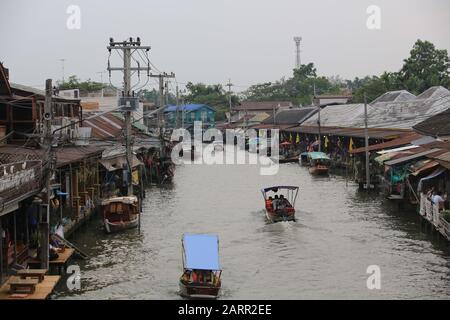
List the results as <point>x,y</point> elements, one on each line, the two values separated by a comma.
<point>320,170</point>
<point>280,216</point>
<point>111,227</point>
<point>199,291</point>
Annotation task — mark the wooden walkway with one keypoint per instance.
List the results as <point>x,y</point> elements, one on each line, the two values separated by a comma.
<point>43,290</point>
<point>60,262</point>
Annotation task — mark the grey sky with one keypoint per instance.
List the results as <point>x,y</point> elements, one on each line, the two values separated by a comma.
<point>249,41</point>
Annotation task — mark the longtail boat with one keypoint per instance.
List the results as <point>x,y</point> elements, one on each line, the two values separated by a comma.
<point>279,202</point>
<point>201,269</point>
<point>318,162</point>
<point>120,213</point>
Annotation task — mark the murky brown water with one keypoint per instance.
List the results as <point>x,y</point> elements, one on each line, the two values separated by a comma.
<point>324,254</point>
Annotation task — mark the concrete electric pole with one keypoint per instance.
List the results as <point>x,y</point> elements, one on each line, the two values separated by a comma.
<point>161,103</point>
<point>366,139</point>
<point>49,169</point>
<point>128,47</point>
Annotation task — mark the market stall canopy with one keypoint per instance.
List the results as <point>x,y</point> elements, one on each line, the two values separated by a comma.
<point>119,162</point>
<point>434,174</point>
<point>201,251</point>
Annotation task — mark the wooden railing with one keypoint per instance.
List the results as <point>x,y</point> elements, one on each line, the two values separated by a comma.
<point>430,212</point>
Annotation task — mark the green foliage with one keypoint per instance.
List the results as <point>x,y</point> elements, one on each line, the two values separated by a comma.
<point>212,95</point>
<point>446,215</point>
<point>426,67</point>
<point>85,86</point>
<point>299,89</point>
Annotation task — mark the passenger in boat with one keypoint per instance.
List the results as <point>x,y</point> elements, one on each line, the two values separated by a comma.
<point>275,202</point>
<point>195,276</point>
<point>284,202</point>
<point>186,277</point>
<point>269,203</point>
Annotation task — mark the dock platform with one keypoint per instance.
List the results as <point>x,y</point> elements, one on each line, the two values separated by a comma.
<point>60,262</point>
<point>42,292</point>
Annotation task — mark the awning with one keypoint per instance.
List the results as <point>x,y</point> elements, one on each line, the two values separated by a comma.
<point>411,157</point>
<point>117,163</point>
<point>425,166</point>
<point>434,174</point>
<point>275,188</point>
<point>201,251</point>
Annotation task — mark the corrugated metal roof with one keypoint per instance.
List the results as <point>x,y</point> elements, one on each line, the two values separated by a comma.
<point>437,125</point>
<point>395,96</point>
<point>350,132</point>
<point>411,157</point>
<point>187,107</point>
<point>342,115</point>
<point>403,114</point>
<point>262,105</point>
<point>292,116</point>
<point>434,93</point>
<point>403,140</point>
<point>443,157</point>
<point>64,155</point>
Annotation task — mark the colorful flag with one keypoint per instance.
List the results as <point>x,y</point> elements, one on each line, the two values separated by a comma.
<point>326,142</point>
<point>290,137</point>
<point>298,139</point>
<point>351,145</point>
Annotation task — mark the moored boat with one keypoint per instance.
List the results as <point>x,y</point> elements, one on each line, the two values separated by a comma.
<point>318,162</point>
<point>120,213</point>
<point>201,269</point>
<point>279,203</point>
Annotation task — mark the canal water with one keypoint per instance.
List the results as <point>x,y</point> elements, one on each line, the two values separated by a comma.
<point>325,254</point>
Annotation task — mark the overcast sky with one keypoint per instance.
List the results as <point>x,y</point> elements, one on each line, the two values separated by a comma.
<point>209,41</point>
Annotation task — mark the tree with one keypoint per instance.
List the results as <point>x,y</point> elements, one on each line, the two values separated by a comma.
<point>212,95</point>
<point>299,89</point>
<point>425,67</point>
<point>85,86</point>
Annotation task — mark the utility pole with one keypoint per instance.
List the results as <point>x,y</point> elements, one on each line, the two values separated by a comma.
<point>161,102</point>
<point>178,104</point>
<point>62,67</point>
<point>318,120</point>
<point>128,47</point>
<point>366,136</point>
<point>101,79</point>
<point>45,216</point>
<point>229,85</point>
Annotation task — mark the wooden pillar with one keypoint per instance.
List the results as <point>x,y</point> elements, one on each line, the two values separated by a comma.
<point>76,197</point>
<point>1,252</point>
<point>15,236</point>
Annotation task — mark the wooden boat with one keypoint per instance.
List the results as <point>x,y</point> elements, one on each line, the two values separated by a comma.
<point>279,203</point>
<point>120,213</point>
<point>201,270</point>
<point>318,162</point>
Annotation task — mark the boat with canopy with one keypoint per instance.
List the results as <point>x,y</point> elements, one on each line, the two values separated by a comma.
<point>279,202</point>
<point>201,269</point>
<point>120,213</point>
<point>318,162</point>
